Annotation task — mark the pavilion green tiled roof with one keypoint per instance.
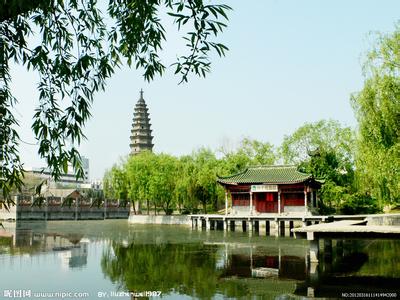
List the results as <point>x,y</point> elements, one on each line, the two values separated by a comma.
<point>285,174</point>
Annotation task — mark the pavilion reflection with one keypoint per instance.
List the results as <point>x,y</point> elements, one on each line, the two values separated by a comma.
<point>259,265</point>
<point>203,269</point>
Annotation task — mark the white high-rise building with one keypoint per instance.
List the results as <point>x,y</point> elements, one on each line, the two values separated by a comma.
<point>69,178</point>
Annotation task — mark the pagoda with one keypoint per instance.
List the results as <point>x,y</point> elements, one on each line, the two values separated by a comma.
<point>141,138</point>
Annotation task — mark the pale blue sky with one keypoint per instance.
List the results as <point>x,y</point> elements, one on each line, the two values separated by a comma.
<point>289,62</point>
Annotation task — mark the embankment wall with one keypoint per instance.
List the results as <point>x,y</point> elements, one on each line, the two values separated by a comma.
<point>160,219</point>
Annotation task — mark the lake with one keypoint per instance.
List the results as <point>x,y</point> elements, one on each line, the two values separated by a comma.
<point>114,260</point>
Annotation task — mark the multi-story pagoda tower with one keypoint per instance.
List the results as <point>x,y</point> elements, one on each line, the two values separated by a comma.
<point>141,138</point>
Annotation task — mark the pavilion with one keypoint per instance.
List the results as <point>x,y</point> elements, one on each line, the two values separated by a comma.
<point>278,189</point>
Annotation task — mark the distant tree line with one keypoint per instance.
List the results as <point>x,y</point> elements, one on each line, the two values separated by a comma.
<point>186,183</point>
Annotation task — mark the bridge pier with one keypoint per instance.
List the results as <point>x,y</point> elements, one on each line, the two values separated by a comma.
<point>251,225</point>
<point>339,248</point>
<point>232,225</point>
<point>194,225</point>
<point>327,255</point>
<point>267,228</point>
<point>244,225</point>
<point>276,227</point>
<point>291,226</point>
<point>257,226</point>
<point>282,228</point>
<point>314,251</point>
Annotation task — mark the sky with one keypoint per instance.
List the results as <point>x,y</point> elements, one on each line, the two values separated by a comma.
<point>290,62</point>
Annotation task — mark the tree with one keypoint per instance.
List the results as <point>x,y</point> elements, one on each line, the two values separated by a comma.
<point>205,188</point>
<point>258,152</point>
<point>162,182</point>
<point>377,108</point>
<point>74,50</point>
<point>184,186</point>
<point>249,152</point>
<point>119,182</point>
<point>326,134</point>
<point>324,149</point>
<point>138,170</point>
<point>108,189</point>
<point>187,182</point>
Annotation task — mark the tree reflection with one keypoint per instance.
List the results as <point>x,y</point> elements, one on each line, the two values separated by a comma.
<point>197,270</point>
<point>181,268</point>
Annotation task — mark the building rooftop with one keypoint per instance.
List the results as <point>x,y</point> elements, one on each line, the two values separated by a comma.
<point>62,193</point>
<point>277,174</point>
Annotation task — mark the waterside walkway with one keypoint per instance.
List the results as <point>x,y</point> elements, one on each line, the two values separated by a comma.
<point>315,228</point>
<point>347,229</point>
<point>380,224</point>
<point>252,223</point>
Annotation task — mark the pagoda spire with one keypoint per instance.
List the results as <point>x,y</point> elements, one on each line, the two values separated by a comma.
<point>141,138</point>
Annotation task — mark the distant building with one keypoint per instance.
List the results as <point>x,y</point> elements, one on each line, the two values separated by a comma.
<point>141,138</point>
<point>96,184</point>
<point>85,166</point>
<point>67,179</point>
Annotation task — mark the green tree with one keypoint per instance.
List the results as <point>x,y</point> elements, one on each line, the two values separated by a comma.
<point>185,185</point>
<point>74,50</point>
<point>186,182</point>
<point>249,152</point>
<point>138,171</point>
<point>326,150</point>
<point>205,174</point>
<point>377,108</point>
<point>162,182</point>
<point>235,162</point>
<point>115,185</point>
<point>107,184</point>
<point>119,182</point>
<point>324,134</point>
<point>96,195</point>
<point>152,178</point>
<point>258,152</point>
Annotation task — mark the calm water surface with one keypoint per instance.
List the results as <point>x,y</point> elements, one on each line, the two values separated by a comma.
<point>103,258</point>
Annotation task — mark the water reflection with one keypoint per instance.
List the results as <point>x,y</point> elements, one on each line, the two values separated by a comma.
<point>179,261</point>
<point>186,269</point>
<point>204,269</point>
<point>199,270</point>
<point>33,238</point>
<point>354,266</point>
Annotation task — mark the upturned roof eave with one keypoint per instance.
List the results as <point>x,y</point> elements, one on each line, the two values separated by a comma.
<point>247,176</point>
<point>232,176</point>
<point>262,182</point>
